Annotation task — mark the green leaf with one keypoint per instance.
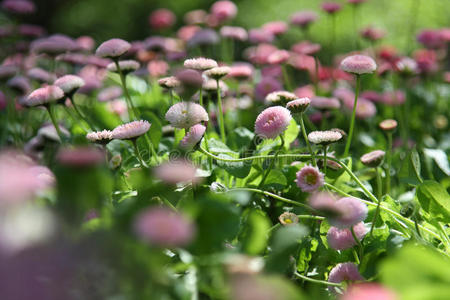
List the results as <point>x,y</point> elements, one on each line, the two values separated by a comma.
<point>440,158</point>
<point>276,179</point>
<point>291,133</point>
<point>410,165</point>
<point>155,131</point>
<point>242,137</point>
<point>216,146</point>
<point>237,169</point>
<point>255,233</point>
<point>435,200</point>
<point>415,160</point>
<point>417,273</point>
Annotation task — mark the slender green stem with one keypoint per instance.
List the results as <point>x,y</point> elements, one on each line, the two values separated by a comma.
<point>355,255</point>
<point>277,197</point>
<point>317,280</point>
<point>305,136</point>
<point>138,153</point>
<point>358,242</point>
<point>125,89</point>
<point>75,106</point>
<point>220,114</point>
<point>316,75</point>
<point>286,79</point>
<point>200,97</point>
<point>379,192</point>
<point>272,162</point>
<point>319,218</point>
<point>389,162</point>
<point>352,121</point>
<point>55,123</point>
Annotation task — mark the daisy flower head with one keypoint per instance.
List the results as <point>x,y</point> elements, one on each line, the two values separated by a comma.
<point>310,179</point>
<point>131,130</point>
<point>272,122</point>
<point>358,64</point>
<point>186,114</point>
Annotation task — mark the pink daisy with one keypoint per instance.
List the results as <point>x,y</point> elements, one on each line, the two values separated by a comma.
<point>113,48</point>
<point>44,96</point>
<point>344,272</point>
<point>69,83</point>
<point>224,10</point>
<point>368,291</point>
<point>193,136</point>
<point>186,114</point>
<point>131,130</point>
<point>352,210</point>
<point>272,122</point>
<point>176,171</point>
<point>163,227</point>
<point>309,179</point>
<point>358,64</point>
<point>341,239</point>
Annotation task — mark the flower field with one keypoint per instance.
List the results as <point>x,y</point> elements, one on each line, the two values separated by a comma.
<point>211,160</point>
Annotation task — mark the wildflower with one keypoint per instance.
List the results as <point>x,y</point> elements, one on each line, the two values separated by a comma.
<point>69,83</point>
<point>372,34</point>
<point>80,157</point>
<point>324,202</point>
<point>298,105</point>
<point>306,48</point>
<point>217,72</point>
<point>224,10</point>
<point>234,32</point>
<point>407,66</point>
<point>344,272</point>
<point>163,227</point>
<point>275,27</point>
<point>204,37</point>
<point>211,85</point>
<point>303,18</point>
<point>44,96</point>
<point>126,66</point>
<point>130,130</point>
<point>40,75</point>
<point>278,57</point>
<point>7,71</point>
<point>280,97</point>
<point>162,19</point>
<point>186,32</point>
<point>266,86</point>
<point>352,210</point>
<point>365,109</point>
<point>358,64</point>
<point>113,48</point>
<point>186,114</point>
<point>388,125</point>
<point>20,84</point>
<point>241,71</point>
<point>109,93</point>
<point>288,218</point>
<point>259,35</point>
<point>325,103</point>
<point>431,39</point>
<point>272,122</point>
<point>324,137</point>
<point>373,159</point>
<point>341,239</point>
<point>368,291</point>
<point>200,63</point>
<point>21,7</point>
<point>193,137</point>
<point>100,137</point>
<point>331,7</point>
<point>309,179</point>
<point>169,82</point>
<point>48,132</point>
<point>20,178</point>
<point>176,171</point>
<point>53,45</point>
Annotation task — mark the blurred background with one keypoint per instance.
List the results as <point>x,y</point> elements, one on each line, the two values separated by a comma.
<point>104,19</point>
